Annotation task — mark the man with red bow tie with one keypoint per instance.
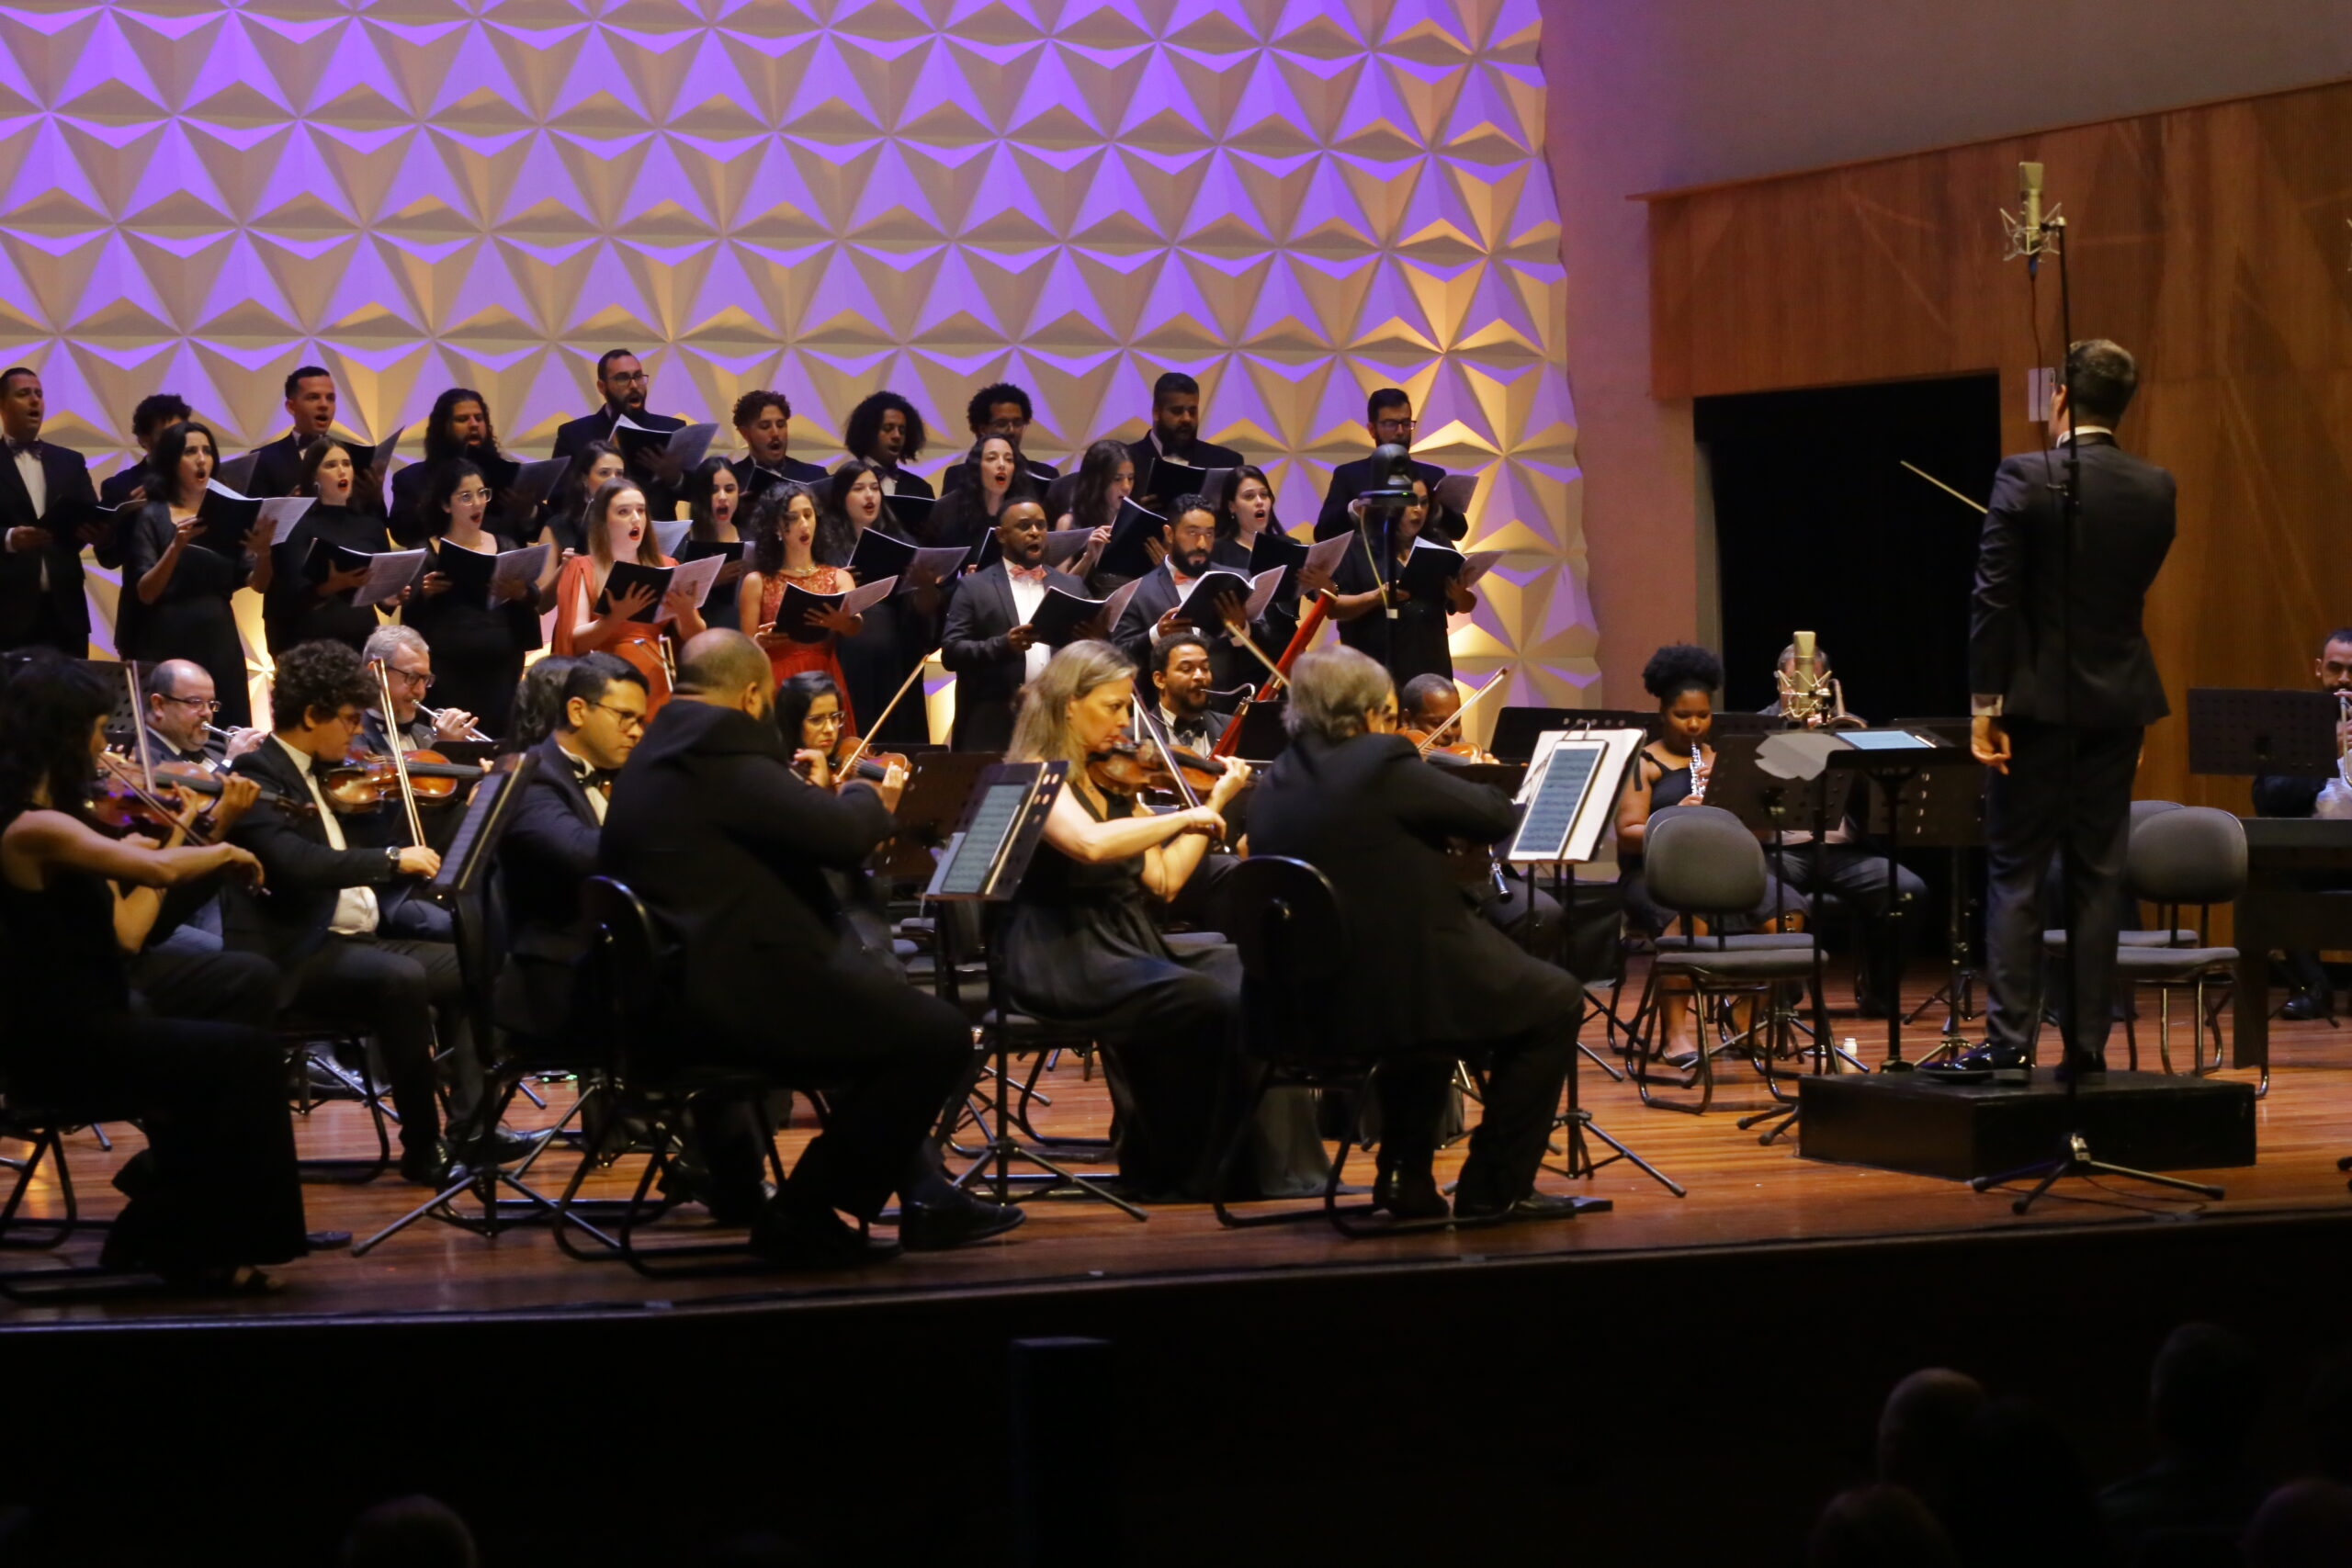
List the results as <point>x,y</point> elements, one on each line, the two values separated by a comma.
<point>48,512</point>
<point>989,642</point>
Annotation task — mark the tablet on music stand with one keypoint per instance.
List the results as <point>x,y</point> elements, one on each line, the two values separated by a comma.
<point>1001,825</point>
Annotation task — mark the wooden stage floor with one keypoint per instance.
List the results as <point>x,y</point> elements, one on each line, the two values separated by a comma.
<point>1741,1195</point>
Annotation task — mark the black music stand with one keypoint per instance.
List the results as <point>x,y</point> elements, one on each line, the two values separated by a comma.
<point>1958,993</point>
<point>2242,730</point>
<point>465,871</point>
<point>1517,731</point>
<point>996,837</point>
<point>1568,810</point>
<point>928,809</point>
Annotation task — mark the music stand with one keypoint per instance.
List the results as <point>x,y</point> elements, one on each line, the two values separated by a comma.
<point>1959,990</point>
<point>1567,803</point>
<point>996,837</point>
<point>2242,730</point>
<point>934,799</point>
<point>465,870</point>
<point>1519,731</point>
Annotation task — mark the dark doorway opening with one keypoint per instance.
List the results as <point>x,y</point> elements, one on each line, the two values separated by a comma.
<point>1818,526</point>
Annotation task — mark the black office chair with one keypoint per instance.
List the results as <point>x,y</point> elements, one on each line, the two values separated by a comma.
<point>648,1095</point>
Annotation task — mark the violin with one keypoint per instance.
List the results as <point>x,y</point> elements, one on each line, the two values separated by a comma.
<point>120,805</point>
<point>851,760</point>
<point>1126,768</point>
<point>1452,746</point>
<point>364,780</point>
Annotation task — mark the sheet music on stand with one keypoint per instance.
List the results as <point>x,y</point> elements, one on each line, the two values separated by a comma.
<point>1002,824</point>
<point>2240,730</point>
<point>1569,797</point>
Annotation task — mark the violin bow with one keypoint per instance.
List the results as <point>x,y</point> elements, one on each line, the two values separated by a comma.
<point>1455,718</point>
<point>866,739</point>
<point>400,758</point>
<point>139,727</point>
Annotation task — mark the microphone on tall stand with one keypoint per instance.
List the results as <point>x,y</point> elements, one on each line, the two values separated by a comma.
<point>2030,232</point>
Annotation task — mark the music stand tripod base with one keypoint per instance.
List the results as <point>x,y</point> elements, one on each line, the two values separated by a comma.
<point>2077,1161</point>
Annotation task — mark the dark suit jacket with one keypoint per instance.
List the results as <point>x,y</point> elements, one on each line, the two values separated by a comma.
<point>1350,479</point>
<point>277,467</point>
<point>912,483</point>
<point>573,434</point>
<point>2026,610</point>
<point>1373,818</point>
<point>988,669</point>
<point>301,869</point>
<point>117,485</point>
<point>1205,454</point>
<point>549,848</point>
<point>729,846</point>
<point>1155,595</point>
<point>71,503</point>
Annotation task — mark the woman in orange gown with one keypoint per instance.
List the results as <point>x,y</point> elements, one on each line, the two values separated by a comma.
<point>618,529</point>
<point>785,551</point>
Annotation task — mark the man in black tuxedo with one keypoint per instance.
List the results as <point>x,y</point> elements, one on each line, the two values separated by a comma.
<point>1426,982</point>
<point>48,512</point>
<point>549,846</point>
<point>1181,674</point>
<point>1175,434</point>
<point>2064,684</point>
<point>763,420</point>
<point>317,921</point>
<point>1388,414</point>
<point>1000,409</point>
<point>729,846</point>
<point>623,382</point>
<point>1158,609</point>
<point>2286,795</point>
<point>127,486</point>
<point>989,642</point>
<point>309,403</point>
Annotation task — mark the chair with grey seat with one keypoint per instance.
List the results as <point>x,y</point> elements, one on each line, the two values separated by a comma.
<point>2192,857</point>
<point>1702,861</point>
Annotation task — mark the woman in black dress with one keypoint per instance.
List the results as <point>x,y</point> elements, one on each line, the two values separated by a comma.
<point>886,431</point>
<point>178,581</point>
<point>897,635</point>
<point>713,500</point>
<point>1414,642</point>
<point>1105,477</point>
<point>995,474</point>
<point>478,644</point>
<point>594,466</point>
<point>302,608</point>
<point>215,1192</point>
<point>1080,945</point>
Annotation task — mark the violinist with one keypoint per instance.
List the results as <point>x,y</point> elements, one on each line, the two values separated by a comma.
<point>549,846</point>
<point>989,643</point>
<point>1081,942</point>
<point>319,922</point>
<point>216,1194</point>
<point>810,716</point>
<point>710,826</point>
<point>180,963</point>
<point>1429,704</point>
<point>1527,915</point>
<point>1425,983</point>
<point>1181,674</point>
<point>408,674</point>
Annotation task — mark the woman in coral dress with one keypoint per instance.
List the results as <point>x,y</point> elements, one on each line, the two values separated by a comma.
<point>785,553</point>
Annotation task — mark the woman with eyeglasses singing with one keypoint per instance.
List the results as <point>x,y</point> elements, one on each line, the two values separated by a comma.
<point>479,641</point>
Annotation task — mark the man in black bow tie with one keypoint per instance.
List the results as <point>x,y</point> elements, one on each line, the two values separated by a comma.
<point>1181,671</point>
<point>48,512</point>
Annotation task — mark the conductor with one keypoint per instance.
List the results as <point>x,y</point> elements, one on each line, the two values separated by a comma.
<point>2063,684</point>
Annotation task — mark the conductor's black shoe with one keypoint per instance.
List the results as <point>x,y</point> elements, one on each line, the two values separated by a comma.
<point>1534,1206</point>
<point>2305,1005</point>
<point>504,1147</point>
<point>814,1242</point>
<point>432,1165</point>
<point>954,1222</point>
<point>2003,1062</point>
<point>1409,1195</point>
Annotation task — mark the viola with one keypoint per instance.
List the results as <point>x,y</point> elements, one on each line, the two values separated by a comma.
<point>1126,768</point>
<point>364,780</point>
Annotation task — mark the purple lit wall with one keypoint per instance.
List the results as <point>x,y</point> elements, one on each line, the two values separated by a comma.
<point>1295,201</point>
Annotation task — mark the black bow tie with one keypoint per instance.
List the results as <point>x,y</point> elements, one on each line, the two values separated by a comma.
<point>597,778</point>
<point>19,448</point>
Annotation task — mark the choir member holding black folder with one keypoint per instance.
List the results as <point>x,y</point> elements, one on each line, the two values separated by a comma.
<point>886,431</point>
<point>1388,415</point>
<point>1421,584</point>
<point>994,641</point>
<point>479,605</point>
<point>184,554</point>
<point>321,563</point>
<point>1105,478</point>
<point>1173,459</point>
<point>459,426</point>
<point>993,476</point>
<point>1185,591</point>
<point>793,600</point>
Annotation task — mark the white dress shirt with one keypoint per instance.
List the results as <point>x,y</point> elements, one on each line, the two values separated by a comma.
<point>1027,597</point>
<point>36,479</point>
<point>356,912</point>
<point>580,767</point>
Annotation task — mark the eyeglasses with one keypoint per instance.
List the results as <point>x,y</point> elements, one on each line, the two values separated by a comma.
<point>628,718</point>
<point>472,495</point>
<point>630,376</point>
<point>422,683</point>
<point>201,704</point>
<point>1396,424</point>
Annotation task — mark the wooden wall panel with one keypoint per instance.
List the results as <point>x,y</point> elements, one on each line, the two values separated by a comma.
<point>2212,241</point>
